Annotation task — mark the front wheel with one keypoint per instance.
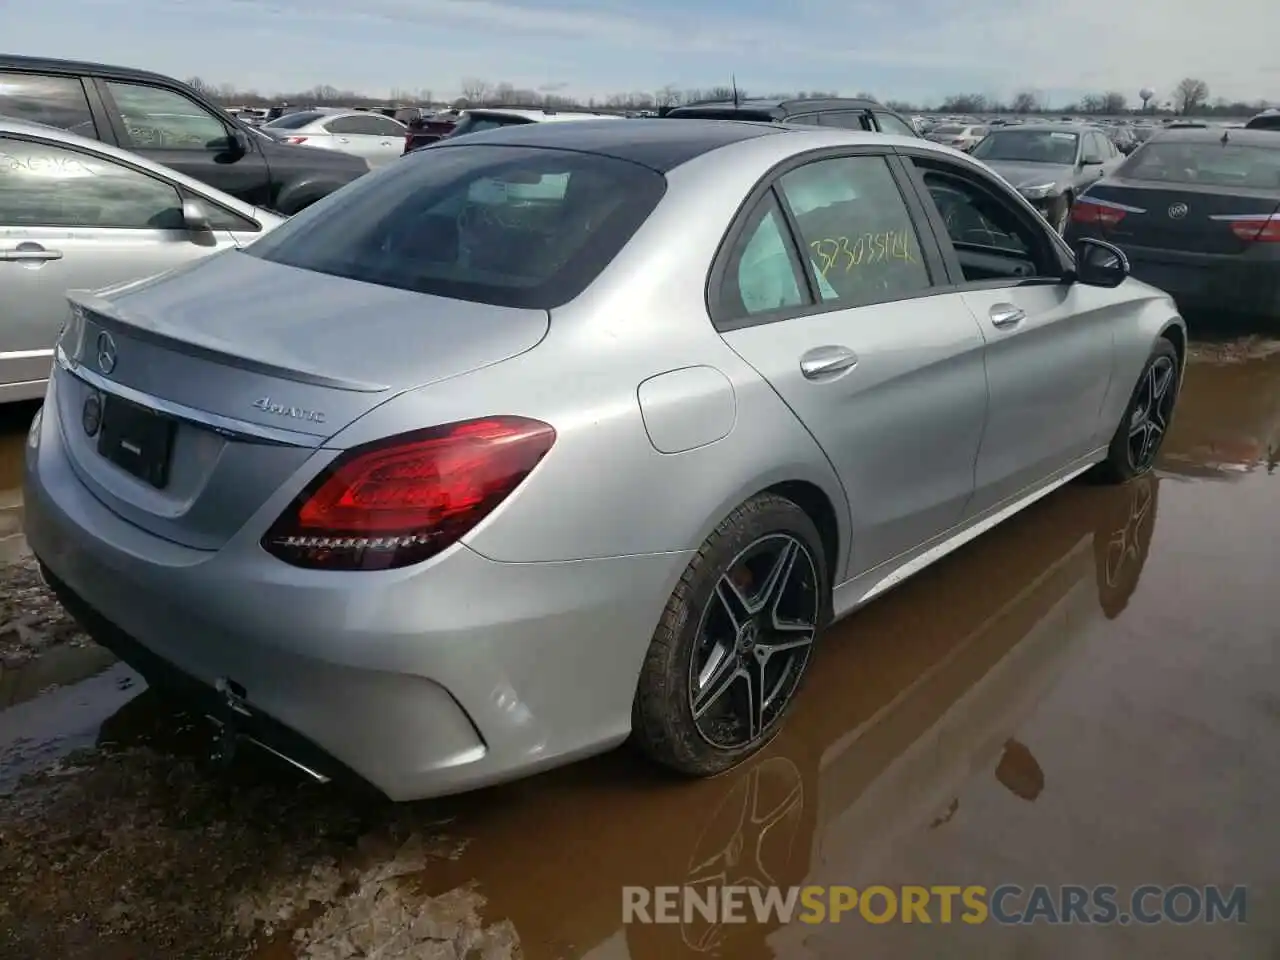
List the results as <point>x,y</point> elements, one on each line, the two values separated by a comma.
<point>734,641</point>
<point>1142,429</point>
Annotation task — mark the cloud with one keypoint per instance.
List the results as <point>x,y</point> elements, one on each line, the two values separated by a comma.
<point>913,51</point>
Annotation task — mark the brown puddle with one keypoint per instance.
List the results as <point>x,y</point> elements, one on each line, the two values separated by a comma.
<point>1086,695</point>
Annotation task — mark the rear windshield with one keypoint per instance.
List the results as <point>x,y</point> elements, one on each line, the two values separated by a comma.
<point>949,128</point>
<point>293,121</point>
<point>478,122</point>
<point>1270,121</point>
<point>510,226</point>
<point>722,113</point>
<point>1214,164</point>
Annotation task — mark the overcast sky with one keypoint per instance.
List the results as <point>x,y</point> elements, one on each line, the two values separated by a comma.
<point>914,49</point>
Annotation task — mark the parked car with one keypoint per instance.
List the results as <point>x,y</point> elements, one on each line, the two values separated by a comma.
<point>80,214</point>
<point>371,136</point>
<point>447,484</point>
<point>1267,120</point>
<point>170,124</point>
<point>1050,163</point>
<point>960,136</point>
<point>492,118</point>
<point>1122,136</point>
<point>426,126</point>
<point>845,112</point>
<point>1197,212</point>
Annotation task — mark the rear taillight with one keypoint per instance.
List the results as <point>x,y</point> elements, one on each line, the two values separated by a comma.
<point>1261,229</point>
<point>402,500</point>
<point>1091,212</point>
<point>293,139</point>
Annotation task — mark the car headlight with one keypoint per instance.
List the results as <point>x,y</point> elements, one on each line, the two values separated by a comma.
<point>1038,191</point>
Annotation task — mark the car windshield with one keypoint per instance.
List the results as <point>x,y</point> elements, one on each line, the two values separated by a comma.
<point>1029,146</point>
<point>478,122</point>
<point>1214,164</point>
<point>510,226</point>
<point>293,121</point>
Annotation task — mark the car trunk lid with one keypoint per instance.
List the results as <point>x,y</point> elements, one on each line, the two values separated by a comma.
<point>251,366</point>
<point>1188,218</point>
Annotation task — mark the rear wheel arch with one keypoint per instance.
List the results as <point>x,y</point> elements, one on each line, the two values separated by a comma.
<point>814,501</point>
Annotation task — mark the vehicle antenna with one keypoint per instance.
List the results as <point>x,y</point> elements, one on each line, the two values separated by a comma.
<point>733,82</point>
<point>1226,136</point>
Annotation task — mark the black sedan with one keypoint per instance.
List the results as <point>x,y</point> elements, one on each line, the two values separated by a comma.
<point>1197,211</point>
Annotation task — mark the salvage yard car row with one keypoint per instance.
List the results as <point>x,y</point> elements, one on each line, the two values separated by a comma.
<point>543,438</point>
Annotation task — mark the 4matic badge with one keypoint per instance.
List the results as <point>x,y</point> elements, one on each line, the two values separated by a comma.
<point>267,405</point>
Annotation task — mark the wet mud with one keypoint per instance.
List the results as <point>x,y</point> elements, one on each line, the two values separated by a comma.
<point>1087,694</point>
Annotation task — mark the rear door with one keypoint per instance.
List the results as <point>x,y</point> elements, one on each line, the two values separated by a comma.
<point>72,220</point>
<point>860,338</point>
<point>1049,343</point>
<point>171,128</point>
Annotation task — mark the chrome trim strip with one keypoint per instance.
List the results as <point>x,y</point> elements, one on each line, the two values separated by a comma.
<point>1245,217</point>
<point>224,426</point>
<point>25,354</point>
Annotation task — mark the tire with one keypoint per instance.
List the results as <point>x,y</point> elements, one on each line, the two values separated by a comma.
<point>1123,463</point>
<point>697,630</point>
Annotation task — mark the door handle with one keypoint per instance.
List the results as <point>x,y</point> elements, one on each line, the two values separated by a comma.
<point>827,361</point>
<point>30,253</point>
<point>1006,315</point>
<point>343,140</point>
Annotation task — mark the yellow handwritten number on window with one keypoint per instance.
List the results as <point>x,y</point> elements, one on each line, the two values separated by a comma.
<point>837,252</point>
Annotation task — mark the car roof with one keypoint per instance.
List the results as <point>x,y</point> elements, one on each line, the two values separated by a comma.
<point>1236,135</point>
<point>1059,127</point>
<point>9,125</point>
<point>784,105</point>
<point>543,115</point>
<point>53,65</point>
<point>662,145</point>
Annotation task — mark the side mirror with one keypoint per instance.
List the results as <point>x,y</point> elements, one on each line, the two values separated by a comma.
<point>195,217</point>
<point>1100,264</point>
<point>1090,161</point>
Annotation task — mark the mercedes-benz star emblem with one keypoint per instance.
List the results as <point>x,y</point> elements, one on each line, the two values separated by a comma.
<point>91,416</point>
<point>1177,211</point>
<point>106,352</point>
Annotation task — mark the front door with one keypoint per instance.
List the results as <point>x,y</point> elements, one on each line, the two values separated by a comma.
<point>172,129</point>
<point>883,369</point>
<point>1049,343</point>
<point>72,220</point>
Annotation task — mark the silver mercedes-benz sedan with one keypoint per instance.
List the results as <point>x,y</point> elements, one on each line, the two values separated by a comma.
<point>564,434</point>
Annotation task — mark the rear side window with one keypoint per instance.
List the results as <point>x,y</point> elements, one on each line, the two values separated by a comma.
<point>1270,121</point>
<point>510,226</point>
<point>1214,164</point>
<point>53,101</point>
<point>159,119</point>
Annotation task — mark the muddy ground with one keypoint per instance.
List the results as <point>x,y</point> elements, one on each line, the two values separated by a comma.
<point>120,836</point>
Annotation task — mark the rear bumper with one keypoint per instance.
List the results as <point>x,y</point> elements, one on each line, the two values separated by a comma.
<point>435,679</point>
<point>1237,284</point>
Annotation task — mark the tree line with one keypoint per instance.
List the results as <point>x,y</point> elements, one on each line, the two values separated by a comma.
<point>1191,96</point>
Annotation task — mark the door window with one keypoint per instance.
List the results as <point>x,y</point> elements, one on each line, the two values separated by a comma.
<point>159,119</point>
<point>1093,149</point>
<point>891,124</point>
<point>856,226</point>
<point>762,275</point>
<point>348,125</point>
<point>809,119</point>
<point>385,127</point>
<point>49,186</point>
<point>991,240</point>
<point>53,101</point>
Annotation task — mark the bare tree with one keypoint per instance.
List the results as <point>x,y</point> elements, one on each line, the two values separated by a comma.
<point>667,96</point>
<point>1091,103</point>
<point>201,87</point>
<point>1190,94</point>
<point>1025,101</point>
<point>475,90</point>
<point>965,103</point>
<point>1113,101</point>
